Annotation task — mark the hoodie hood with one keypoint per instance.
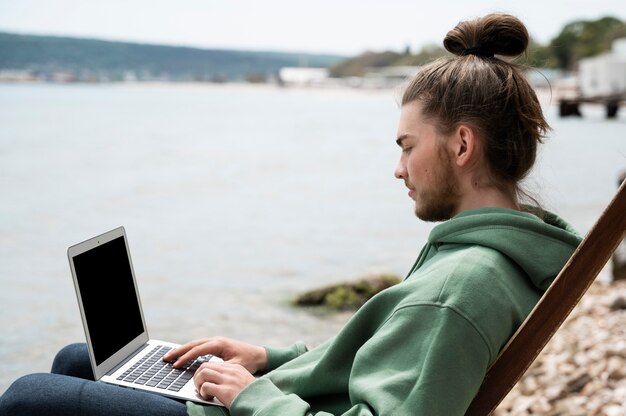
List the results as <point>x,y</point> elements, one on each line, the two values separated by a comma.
<point>539,247</point>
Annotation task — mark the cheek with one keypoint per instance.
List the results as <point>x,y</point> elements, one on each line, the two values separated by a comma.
<point>418,168</point>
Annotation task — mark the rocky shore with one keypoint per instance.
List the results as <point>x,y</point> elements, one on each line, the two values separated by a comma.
<point>582,369</point>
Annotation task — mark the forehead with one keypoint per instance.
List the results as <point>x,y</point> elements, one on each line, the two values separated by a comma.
<point>412,119</point>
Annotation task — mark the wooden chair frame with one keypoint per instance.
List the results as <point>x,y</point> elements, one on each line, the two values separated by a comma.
<point>554,306</point>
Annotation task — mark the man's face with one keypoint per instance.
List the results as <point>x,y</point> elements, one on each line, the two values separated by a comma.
<point>426,166</point>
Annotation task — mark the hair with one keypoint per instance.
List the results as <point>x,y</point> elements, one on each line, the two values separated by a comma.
<point>489,93</point>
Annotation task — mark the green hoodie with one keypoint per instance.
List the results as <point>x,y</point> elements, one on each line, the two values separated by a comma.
<point>422,347</point>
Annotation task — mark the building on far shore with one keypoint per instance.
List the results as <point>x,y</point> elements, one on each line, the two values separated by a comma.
<point>11,75</point>
<point>388,76</point>
<point>600,80</point>
<point>604,75</point>
<point>374,78</point>
<point>303,77</point>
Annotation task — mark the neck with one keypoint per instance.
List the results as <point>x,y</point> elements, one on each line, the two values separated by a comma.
<point>488,197</point>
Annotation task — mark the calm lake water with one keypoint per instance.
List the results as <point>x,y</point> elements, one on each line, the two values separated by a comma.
<point>234,198</point>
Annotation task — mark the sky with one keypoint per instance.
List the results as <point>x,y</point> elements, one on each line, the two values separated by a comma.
<point>343,27</point>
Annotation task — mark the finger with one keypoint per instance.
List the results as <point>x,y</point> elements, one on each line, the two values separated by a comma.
<point>205,389</point>
<point>190,355</point>
<point>212,346</point>
<point>206,374</point>
<point>220,373</point>
<point>182,349</point>
<point>208,391</point>
<point>223,381</point>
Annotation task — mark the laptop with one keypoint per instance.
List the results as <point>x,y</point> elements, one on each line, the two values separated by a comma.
<point>120,349</point>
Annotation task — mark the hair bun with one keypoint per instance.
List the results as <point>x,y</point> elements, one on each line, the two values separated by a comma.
<point>493,34</point>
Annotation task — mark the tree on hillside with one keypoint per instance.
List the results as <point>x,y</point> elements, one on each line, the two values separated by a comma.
<point>358,65</point>
<point>427,54</point>
<point>618,32</point>
<point>541,56</point>
<point>583,38</point>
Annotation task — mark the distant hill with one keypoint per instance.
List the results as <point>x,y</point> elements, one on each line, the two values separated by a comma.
<point>91,59</point>
<point>361,64</point>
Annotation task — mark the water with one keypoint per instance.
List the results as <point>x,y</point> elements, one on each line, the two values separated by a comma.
<point>235,198</point>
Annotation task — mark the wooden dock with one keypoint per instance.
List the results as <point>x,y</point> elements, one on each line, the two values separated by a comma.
<point>571,106</point>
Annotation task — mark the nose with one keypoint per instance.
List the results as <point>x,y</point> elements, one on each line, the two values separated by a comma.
<point>400,172</point>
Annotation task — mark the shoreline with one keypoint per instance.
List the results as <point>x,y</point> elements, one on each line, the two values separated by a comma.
<point>547,96</point>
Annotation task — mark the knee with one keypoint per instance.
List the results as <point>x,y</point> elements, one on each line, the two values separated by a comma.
<point>18,397</point>
<point>73,360</point>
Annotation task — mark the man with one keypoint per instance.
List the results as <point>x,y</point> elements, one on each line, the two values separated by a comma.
<point>468,132</point>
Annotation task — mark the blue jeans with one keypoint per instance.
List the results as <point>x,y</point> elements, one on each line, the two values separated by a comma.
<point>70,390</point>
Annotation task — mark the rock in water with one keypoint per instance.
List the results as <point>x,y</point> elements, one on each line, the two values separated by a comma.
<point>349,295</point>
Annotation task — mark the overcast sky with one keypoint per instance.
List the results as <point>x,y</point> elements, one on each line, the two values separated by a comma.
<point>346,27</point>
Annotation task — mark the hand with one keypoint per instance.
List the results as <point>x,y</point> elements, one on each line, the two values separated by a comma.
<point>224,381</point>
<point>252,357</point>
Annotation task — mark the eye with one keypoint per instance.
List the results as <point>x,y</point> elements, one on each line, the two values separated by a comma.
<point>407,150</point>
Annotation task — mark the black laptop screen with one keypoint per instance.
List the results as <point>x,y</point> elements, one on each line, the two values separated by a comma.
<point>109,297</point>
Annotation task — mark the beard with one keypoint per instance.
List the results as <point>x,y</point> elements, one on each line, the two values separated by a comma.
<point>440,202</point>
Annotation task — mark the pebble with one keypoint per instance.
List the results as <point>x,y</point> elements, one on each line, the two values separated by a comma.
<point>582,369</point>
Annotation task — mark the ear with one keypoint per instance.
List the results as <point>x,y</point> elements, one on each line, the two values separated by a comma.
<point>464,145</point>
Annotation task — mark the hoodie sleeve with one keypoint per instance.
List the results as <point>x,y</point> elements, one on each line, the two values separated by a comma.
<point>427,359</point>
<point>279,356</point>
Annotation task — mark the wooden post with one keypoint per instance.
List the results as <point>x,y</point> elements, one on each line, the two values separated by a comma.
<point>569,108</point>
<point>611,108</point>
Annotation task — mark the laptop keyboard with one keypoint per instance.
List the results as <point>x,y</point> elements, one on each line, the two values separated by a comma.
<point>152,371</point>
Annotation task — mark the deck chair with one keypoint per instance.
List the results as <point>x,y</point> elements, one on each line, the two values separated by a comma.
<point>554,306</point>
